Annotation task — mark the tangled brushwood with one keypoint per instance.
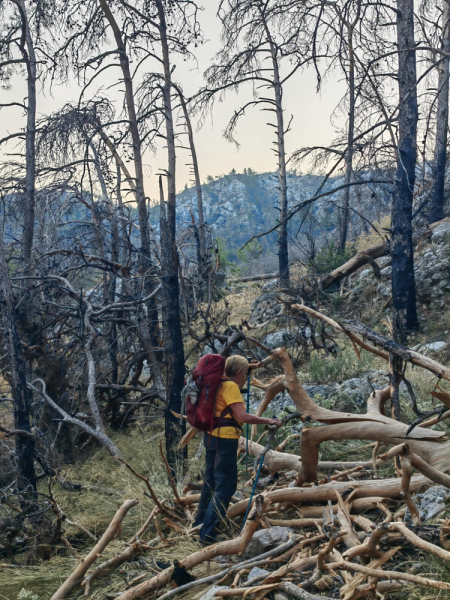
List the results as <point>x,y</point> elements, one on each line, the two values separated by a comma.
<point>316,529</point>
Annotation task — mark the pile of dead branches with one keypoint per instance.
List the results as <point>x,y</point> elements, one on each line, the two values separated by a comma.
<point>352,531</point>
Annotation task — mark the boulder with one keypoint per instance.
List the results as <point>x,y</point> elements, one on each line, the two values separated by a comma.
<point>436,346</point>
<point>441,233</point>
<point>432,502</point>
<point>264,307</point>
<point>267,539</point>
<point>280,339</point>
<point>270,286</point>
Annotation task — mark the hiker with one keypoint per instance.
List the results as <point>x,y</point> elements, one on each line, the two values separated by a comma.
<point>221,446</point>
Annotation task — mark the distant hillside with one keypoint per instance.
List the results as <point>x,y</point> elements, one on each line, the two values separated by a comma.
<point>238,205</point>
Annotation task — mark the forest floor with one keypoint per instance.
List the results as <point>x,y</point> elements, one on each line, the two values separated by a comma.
<point>110,483</point>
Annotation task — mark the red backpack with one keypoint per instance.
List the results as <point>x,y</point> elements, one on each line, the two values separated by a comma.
<point>199,394</point>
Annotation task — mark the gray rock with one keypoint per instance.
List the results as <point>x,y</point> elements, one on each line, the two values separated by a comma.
<point>270,286</point>
<point>324,391</point>
<point>267,539</point>
<point>280,339</point>
<point>431,502</point>
<point>432,347</point>
<point>209,595</point>
<point>256,574</point>
<point>441,233</point>
<point>365,273</point>
<point>386,272</point>
<point>264,307</point>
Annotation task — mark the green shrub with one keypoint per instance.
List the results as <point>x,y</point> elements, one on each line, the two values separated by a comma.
<point>336,368</point>
<point>329,258</point>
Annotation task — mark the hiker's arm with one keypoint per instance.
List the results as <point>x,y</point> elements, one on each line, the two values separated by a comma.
<point>241,415</point>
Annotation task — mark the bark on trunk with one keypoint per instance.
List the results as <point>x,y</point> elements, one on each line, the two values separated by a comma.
<point>350,133</point>
<point>440,148</point>
<point>170,264</point>
<point>24,444</point>
<point>201,251</point>
<point>283,252</point>
<point>134,132</point>
<point>27,50</point>
<point>403,282</point>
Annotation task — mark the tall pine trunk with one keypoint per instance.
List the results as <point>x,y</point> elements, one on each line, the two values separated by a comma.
<point>170,267</point>
<point>28,54</point>
<point>283,250</point>
<point>402,251</point>
<point>26,476</point>
<point>344,217</point>
<point>440,148</point>
<point>201,244</point>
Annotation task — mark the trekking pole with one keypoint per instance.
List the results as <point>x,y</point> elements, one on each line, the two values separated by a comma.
<point>248,410</point>
<point>272,431</point>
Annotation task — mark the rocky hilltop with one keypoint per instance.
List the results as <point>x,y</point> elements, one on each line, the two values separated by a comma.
<point>238,205</point>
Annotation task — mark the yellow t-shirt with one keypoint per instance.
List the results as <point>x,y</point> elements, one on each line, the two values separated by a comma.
<point>228,393</point>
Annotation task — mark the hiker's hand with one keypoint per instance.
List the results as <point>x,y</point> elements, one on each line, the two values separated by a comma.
<point>275,422</point>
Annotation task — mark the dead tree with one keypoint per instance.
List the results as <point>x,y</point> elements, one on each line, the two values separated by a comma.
<point>21,395</point>
<point>440,148</point>
<point>257,38</point>
<point>202,253</point>
<point>402,251</point>
<point>349,26</point>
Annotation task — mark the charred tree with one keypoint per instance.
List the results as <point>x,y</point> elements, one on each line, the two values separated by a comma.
<point>170,265</point>
<point>402,252</point>
<point>202,255</point>
<point>440,148</point>
<point>26,475</point>
<point>29,57</point>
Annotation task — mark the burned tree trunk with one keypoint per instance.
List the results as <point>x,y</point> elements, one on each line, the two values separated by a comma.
<point>350,133</point>
<point>170,266</point>
<point>201,250</point>
<point>27,49</point>
<point>440,148</point>
<point>26,476</point>
<point>403,282</point>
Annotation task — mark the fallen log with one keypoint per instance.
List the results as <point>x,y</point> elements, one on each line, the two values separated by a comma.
<point>110,534</point>
<point>397,575</point>
<point>388,488</point>
<point>235,546</point>
<point>360,259</point>
<point>253,278</point>
<point>432,446</point>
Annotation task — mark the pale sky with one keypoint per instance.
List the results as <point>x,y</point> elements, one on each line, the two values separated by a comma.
<point>311,112</point>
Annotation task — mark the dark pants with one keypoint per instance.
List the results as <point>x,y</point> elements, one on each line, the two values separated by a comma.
<point>219,485</point>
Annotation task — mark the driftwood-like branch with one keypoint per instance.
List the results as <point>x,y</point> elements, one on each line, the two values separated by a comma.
<point>110,534</point>
<point>431,446</point>
<point>361,258</point>
<point>235,546</point>
<point>388,488</point>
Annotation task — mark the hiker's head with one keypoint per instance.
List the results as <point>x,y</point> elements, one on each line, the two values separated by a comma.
<point>236,368</point>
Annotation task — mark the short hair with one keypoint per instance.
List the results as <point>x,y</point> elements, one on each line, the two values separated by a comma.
<point>235,363</point>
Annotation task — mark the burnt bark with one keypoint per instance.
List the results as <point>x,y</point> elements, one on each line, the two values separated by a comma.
<point>26,476</point>
<point>27,49</point>
<point>440,149</point>
<point>403,281</point>
<point>201,246</point>
<point>343,233</point>
<point>170,267</point>
<point>283,250</point>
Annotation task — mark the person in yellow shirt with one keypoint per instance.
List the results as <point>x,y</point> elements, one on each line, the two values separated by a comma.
<point>220,480</point>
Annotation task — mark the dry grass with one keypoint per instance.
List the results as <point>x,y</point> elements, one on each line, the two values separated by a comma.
<point>365,240</point>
